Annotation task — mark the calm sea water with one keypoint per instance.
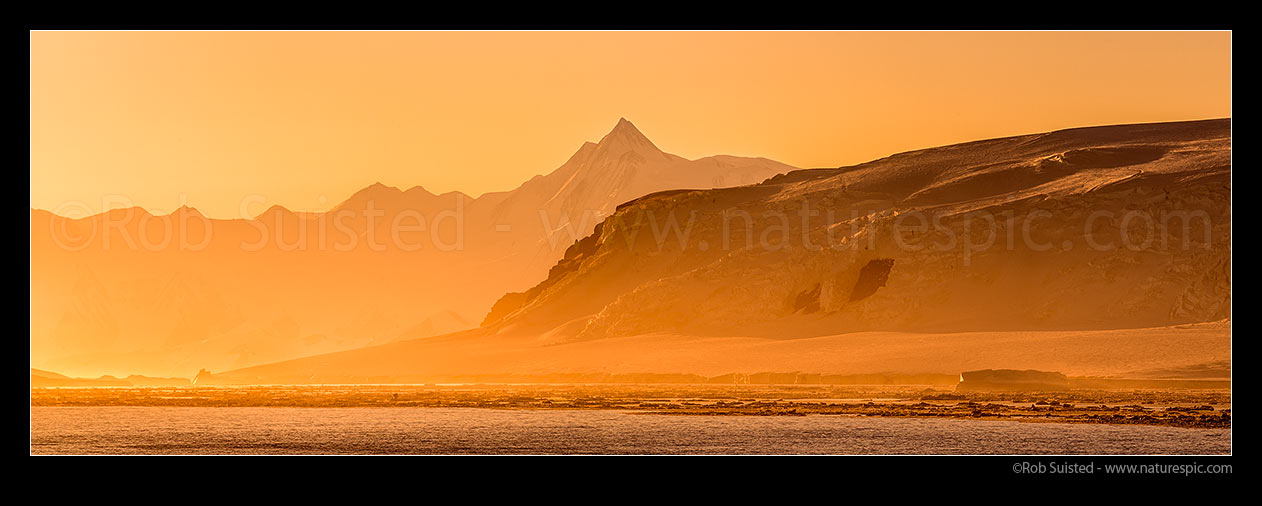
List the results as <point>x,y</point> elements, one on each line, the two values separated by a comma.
<point>266,430</point>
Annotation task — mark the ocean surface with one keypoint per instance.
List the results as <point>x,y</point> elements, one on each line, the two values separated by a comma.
<point>278,430</point>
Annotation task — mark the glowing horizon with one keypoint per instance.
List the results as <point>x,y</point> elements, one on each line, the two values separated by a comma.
<point>308,118</point>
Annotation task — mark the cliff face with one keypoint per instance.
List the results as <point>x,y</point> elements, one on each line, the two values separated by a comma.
<point>1094,228</point>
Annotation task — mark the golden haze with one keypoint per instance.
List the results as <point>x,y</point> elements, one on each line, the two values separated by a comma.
<point>306,118</point>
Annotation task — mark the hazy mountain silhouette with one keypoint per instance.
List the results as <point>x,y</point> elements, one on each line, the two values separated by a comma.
<point>129,292</point>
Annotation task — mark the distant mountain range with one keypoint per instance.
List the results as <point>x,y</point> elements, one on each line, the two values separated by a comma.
<point>41,378</point>
<point>128,292</point>
<point>1090,251</point>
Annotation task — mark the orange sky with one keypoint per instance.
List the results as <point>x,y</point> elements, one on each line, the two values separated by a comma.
<point>303,119</point>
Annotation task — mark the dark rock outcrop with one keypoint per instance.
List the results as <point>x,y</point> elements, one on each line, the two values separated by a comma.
<point>1012,380</point>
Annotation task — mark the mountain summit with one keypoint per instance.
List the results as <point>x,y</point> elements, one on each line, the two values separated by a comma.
<point>555,210</point>
<point>625,137</point>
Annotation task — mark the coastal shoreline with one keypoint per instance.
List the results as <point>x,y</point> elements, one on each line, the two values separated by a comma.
<point>1171,408</point>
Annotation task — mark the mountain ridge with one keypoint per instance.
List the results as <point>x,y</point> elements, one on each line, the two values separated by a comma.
<point>366,271</point>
